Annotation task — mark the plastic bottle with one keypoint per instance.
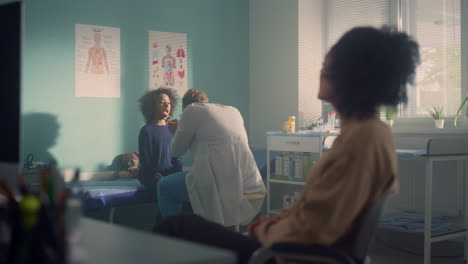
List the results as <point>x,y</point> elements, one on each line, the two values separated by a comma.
<point>286,201</point>
<point>337,123</point>
<point>297,196</point>
<point>332,120</point>
<point>292,124</point>
<point>309,163</point>
<point>279,166</point>
<point>292,160</point>
<point>305,164</point>
<point>298,167</point>
<point>287,166</point>
<point>293,200</point>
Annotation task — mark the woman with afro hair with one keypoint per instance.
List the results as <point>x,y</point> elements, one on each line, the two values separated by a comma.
<point>154,140</point>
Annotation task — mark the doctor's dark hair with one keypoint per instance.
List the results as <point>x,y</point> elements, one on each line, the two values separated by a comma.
<point>194,96</point>
<point>148,105</point>
<point>371,67</point>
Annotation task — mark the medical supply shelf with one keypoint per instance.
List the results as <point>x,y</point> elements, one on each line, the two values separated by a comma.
<point>309,142</point>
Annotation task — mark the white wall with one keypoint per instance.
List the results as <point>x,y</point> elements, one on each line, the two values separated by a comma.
<point>286,55</point>
<point>273,66</point>
<point>311,53</point>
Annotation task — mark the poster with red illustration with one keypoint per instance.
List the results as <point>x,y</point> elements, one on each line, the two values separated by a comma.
<point>168,60</point>
<point>97,61</point>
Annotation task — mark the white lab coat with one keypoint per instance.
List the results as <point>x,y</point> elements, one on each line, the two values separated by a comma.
<point>223,168</point>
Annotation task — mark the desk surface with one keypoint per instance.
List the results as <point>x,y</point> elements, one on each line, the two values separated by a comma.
<point>106,243</point>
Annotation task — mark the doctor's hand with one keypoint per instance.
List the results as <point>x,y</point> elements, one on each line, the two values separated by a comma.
<point>173,125</point>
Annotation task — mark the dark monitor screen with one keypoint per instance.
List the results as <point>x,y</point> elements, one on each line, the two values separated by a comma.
<point>10,49</point>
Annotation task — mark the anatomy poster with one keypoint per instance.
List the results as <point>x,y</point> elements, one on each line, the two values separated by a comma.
<point>97,61</point>
<point>168,60</point>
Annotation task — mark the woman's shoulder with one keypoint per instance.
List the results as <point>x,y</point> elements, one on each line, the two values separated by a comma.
<point>367,134</point>
<point>145,127</point>
<point>377,128</point>
<point>370,127</point>
<point>144,130</point>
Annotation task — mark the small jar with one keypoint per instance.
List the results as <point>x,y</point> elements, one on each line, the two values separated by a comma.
<point>292,124</point>
<point>286,201</point>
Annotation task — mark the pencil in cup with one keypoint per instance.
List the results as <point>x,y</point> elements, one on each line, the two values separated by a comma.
<point>7,192</point>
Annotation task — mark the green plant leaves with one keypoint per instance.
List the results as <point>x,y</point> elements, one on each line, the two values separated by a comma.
<point>389,110</point>
<point>465,101</point>
<point>437,112</point>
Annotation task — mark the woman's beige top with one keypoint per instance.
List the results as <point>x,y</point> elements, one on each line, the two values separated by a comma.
<point>360,167</point>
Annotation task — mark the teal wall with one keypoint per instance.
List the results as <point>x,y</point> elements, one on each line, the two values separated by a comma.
<point>89,132</point>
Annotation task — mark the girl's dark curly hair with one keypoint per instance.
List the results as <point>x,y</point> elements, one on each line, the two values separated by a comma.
<point>371,67</point>
<point>148,106</point>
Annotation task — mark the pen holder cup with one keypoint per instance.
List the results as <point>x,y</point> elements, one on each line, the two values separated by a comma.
<point>38,239</point>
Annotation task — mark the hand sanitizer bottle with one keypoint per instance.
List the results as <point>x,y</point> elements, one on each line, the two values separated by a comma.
<point>279,166</point>
<point>286,166</point>
<point>298,167</point>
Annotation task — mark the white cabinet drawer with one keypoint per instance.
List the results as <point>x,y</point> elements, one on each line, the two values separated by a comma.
<point>298,144</point>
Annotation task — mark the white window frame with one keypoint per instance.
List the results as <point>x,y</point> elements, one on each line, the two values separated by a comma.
<point>325,43</point>
<point>418,123</point>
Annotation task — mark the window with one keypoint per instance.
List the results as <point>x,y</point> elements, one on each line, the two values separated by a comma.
<point>343,15</point>
<point>435,24</point>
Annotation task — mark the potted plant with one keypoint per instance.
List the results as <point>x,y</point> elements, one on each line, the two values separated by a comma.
<point>463,104</point>
<point>389,110</point>
<point>437,112</point>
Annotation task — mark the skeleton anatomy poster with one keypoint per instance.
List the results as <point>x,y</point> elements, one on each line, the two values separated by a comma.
<point>97,61</point>
<point>168,60</point>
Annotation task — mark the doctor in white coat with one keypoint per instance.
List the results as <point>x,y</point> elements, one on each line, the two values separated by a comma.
<point>223,170</point>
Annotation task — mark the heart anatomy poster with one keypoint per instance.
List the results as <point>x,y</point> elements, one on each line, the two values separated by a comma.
<point>168,60</point>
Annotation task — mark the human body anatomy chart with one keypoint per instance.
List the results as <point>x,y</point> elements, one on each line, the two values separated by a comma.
<point>97,61</point>
<point>168,60</point>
